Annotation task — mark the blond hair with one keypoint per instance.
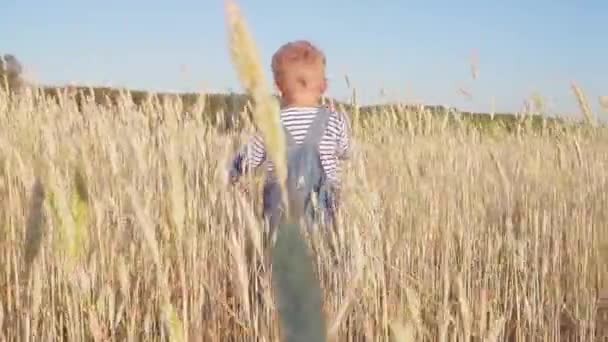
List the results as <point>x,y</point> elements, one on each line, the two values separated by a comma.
<point>299,65</point>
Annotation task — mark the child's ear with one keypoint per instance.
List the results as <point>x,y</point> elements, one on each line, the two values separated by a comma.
<point>323,88</point>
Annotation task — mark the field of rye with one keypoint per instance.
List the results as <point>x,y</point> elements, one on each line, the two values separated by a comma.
<point>117,225</point>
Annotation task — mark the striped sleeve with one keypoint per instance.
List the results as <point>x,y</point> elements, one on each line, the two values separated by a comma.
<point>343,148</point>
<point>251,156</point>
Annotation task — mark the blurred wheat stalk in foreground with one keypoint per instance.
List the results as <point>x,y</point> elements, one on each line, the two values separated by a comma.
<point>250,71</point>
<point>298,294</point>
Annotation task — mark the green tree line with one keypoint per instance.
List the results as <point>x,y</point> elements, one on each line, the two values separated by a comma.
<point>224,108</point>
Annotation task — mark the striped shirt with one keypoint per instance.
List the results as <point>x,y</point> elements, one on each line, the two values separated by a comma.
<point>334,145</point>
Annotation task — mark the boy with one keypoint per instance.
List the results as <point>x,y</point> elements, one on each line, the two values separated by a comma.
<point>299,74</point>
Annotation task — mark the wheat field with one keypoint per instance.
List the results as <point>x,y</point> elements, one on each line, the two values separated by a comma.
<point>117,226</point>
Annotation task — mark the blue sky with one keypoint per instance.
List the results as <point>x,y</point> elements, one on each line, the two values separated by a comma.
<point>415,51</point>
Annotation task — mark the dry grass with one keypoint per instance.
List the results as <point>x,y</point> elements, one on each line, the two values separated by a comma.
<point>116,226</point>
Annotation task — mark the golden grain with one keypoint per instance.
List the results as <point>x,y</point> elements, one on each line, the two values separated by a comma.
<point>245,58</point>
<point>604,102</point>
<point>583,104</point>
<point>516,216</point>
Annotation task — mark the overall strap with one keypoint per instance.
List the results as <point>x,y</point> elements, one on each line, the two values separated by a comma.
<point>317,127</point>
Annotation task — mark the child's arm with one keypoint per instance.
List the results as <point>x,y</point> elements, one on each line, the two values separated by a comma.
<point>344,146</point>
<point>249,158</point>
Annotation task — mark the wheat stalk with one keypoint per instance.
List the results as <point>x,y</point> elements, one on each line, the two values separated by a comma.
<point>34,228</point>
<point>583,104</point>
<point>298,290</point>
<point>266,117</point>
<point>299,296</point>
<point>604,102</point>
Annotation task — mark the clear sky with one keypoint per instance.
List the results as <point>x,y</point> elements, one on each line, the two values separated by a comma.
<point>414,51</point>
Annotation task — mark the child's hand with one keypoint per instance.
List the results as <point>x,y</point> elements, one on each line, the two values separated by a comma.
<point>232,177</point>
<point>243,189</point>
<point>233,180</point>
